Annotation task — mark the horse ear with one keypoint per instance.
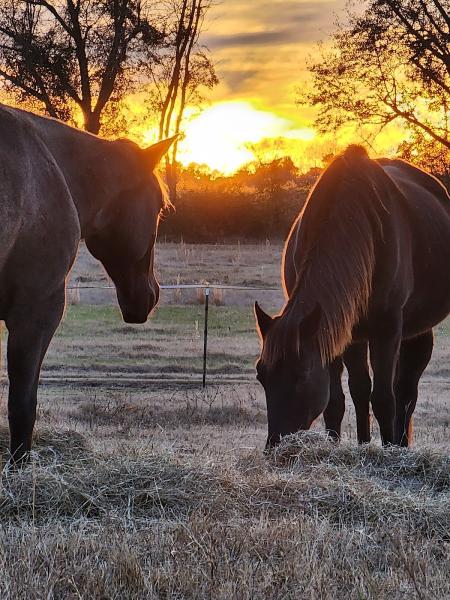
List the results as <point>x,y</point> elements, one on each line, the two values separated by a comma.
<point>310,324</point>
<point>153,154</point>
<point>263,320</point>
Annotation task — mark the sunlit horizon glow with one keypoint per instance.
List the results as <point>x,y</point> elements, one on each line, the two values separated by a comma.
<point>261,49</point>
<point>224,137</point>
<point>227,136</point>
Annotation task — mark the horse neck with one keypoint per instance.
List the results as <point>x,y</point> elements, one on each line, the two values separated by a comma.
<point>336,272</point>
<point>83,161</point>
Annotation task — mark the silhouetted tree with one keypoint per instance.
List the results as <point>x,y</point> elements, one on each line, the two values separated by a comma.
<point>74,53</point>
<point>184,68</point>
<point>392,62</point>
<point>430,155</point>
<point>253,204</point>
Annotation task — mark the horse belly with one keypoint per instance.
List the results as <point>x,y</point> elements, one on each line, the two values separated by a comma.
<point>425,311</point>
<point>429,302</point>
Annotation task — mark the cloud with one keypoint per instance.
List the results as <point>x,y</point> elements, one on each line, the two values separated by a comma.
<point>260,48</point>
<point>271,26</point>
<point>319,12</point>
<point>256,38</point>
<point>240,79</point>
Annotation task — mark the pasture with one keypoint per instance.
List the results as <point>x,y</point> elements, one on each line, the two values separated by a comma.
<point>144,486</point>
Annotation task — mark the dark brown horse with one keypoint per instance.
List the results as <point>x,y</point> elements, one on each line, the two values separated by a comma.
<point>59,185</point>
<point>367,264</point>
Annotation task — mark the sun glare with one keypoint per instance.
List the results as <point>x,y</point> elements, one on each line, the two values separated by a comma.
<point>223,136</point>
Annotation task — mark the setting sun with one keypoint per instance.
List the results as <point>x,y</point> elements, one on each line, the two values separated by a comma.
<point>223,136</point>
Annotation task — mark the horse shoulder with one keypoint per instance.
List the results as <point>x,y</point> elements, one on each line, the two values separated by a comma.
<point>39,221</point>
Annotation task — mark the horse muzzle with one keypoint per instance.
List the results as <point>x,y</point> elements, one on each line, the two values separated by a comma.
<point>136,307</point>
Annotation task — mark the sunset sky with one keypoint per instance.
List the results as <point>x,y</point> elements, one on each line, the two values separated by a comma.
<point>260,49</point>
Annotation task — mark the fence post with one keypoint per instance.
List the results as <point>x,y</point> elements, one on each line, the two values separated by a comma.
<point>205,336</point>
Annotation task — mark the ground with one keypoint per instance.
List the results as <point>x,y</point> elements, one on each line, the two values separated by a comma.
<point>143,485</point>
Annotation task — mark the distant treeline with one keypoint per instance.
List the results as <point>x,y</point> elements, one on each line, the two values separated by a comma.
<point>251,205</point>
<point>256,205</point>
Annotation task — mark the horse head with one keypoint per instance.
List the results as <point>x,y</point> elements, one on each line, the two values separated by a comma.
<point>295,381</point>
<point>124,230</point>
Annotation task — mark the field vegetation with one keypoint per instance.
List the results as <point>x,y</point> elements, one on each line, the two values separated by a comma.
<point>142,485</point>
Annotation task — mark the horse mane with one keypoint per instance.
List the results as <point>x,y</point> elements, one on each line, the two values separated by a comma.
<point>166,202</point>
<point>340,223</point>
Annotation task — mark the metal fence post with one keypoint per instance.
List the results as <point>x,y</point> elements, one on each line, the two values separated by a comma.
<point>205,335</point>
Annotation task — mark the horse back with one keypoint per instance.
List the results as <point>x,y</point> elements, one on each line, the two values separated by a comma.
<point>39,228</point>
<point>426,210</point>
<point>426,205</point>
<point>412,242</point>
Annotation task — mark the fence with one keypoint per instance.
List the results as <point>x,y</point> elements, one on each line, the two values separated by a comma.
<point>206,287</point>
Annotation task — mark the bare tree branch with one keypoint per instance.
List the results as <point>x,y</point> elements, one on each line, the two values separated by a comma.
<point>391,63</point>
<point>51,9</point>
<point>74,51</point>
<point>442,11</point>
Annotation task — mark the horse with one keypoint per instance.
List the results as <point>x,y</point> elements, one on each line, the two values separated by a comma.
<point>60,185</point>
<point>366,267</point>
<point>354,358</point>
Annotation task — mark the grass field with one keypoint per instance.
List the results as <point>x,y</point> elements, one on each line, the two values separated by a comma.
<point>144,486</point>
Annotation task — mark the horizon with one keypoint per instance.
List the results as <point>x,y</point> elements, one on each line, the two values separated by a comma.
<point>251,113</point>
<point>259,94</point>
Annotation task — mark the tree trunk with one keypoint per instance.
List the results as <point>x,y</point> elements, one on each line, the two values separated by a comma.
<point>172,180</point>
<point>91,122</point>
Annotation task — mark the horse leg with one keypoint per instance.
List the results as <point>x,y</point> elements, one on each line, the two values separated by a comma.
<point>360,385</point>
<point>30,330</point>
<point>334,412</point>
<point>384,352</point>
<point>415,355</point>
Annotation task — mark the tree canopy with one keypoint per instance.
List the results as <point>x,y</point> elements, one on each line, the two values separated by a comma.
<point>86,55</point>
<point>388,63</point>
<point>74,52</point>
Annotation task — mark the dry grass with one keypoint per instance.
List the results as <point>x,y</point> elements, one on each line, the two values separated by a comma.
<point>313,520</point>
<point>186,408</point>
<point>142,489</point>
<point>234,264</point>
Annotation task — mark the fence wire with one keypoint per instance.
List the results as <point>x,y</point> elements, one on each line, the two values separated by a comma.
<point>206,287</point>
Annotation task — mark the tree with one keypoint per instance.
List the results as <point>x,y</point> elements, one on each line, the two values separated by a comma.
<point>258,202</point>
<point>184,68</point>
<point>392,62</point>
<point>74,53</point>
<point>430,155</point>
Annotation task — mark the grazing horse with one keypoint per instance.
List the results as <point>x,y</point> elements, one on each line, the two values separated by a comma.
<point>354,358</point>
<point>368,262</point>
<point>60,185</point>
